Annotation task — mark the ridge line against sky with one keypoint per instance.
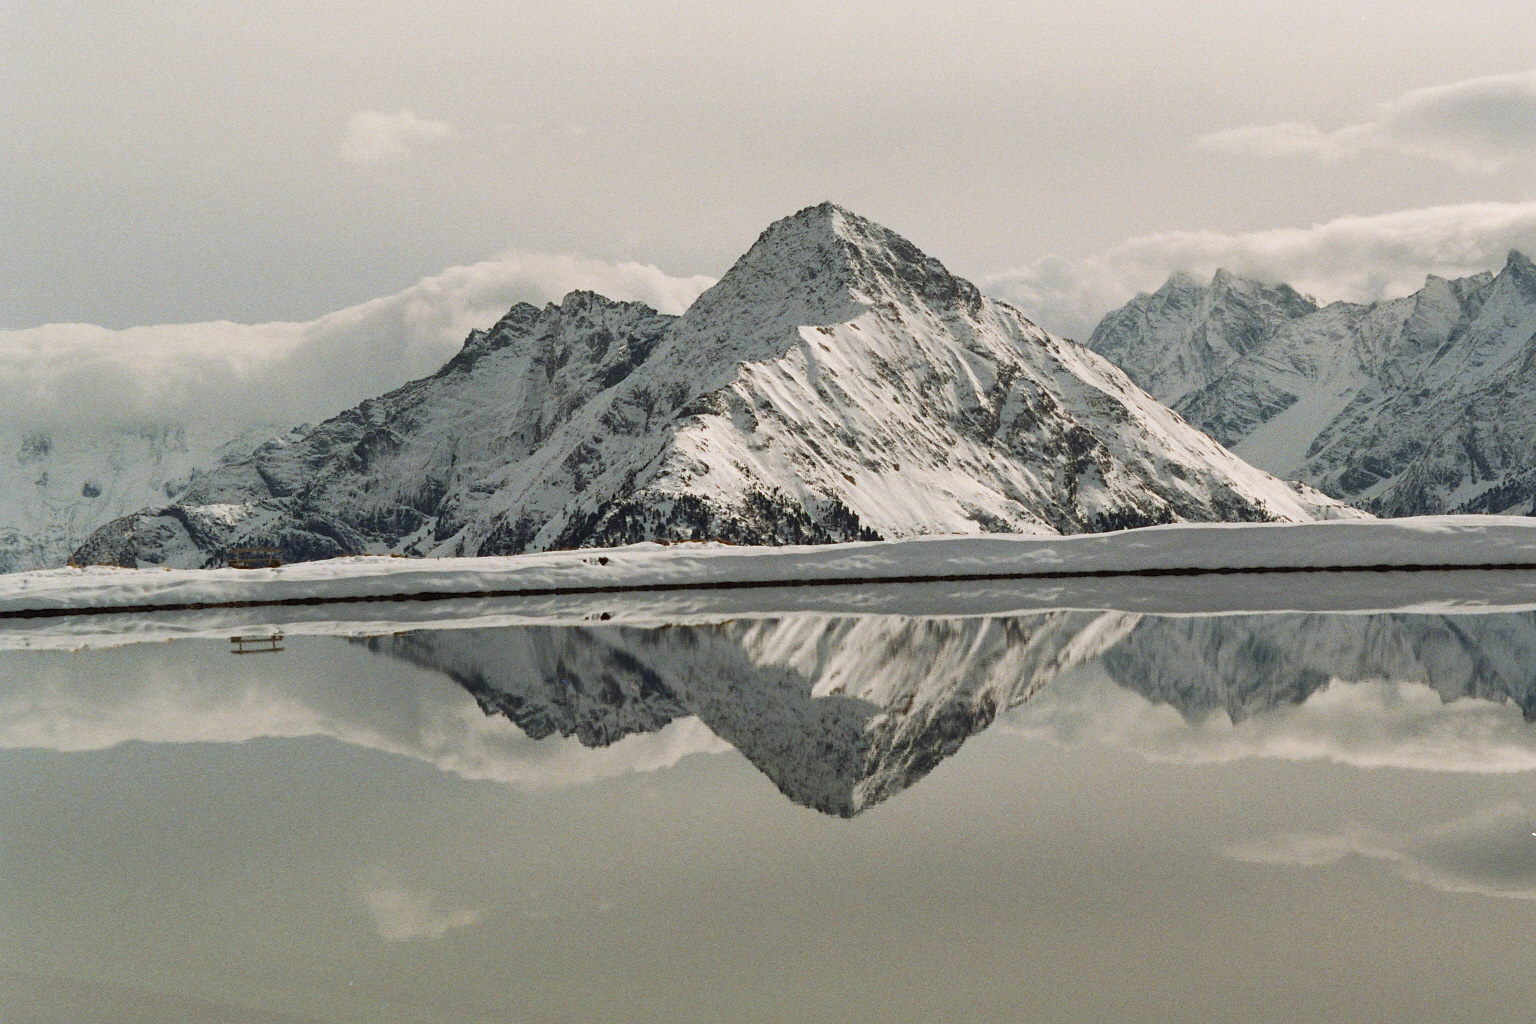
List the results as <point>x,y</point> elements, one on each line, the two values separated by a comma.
<point>301,371</point>
<point>293,181</point>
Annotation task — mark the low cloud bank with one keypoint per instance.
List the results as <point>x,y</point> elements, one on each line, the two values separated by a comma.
<point>1491,852</point>
<point>1377,724</point>
<point>1356,259</point>
<point>293,372</point>
<point>1479,124</point>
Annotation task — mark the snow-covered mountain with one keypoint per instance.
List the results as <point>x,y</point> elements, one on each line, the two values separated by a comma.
<point>1184,336</point>
<point>840,713</point>
<point>843,713</point>
<point>1243,665</point>
<point>836,384</point>
<point>1413,406</point>
<point>57,485</point>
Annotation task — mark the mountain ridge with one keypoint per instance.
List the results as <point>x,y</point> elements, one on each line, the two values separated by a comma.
<point>835,384</point>
<point>1419,405</point>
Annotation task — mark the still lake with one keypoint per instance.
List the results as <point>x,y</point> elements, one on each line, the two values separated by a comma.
<point>1053,815</point>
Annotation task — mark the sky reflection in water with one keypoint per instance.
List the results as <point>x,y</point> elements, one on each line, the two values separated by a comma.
<point>1264,817</point>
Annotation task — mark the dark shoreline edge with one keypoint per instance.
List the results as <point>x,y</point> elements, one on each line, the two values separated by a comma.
<point>640,588</point>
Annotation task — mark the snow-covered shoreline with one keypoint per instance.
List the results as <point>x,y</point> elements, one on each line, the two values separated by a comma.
<point>1440,541</point>
<point>970,575</point>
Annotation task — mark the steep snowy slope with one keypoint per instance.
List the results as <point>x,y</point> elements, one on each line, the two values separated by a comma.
<point>836,384</point>
<point>1414,406</point>
<point>58,485</point>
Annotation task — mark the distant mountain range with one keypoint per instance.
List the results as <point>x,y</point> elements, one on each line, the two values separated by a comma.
<point>1413,406</point>
<point>836,384</point>
<point>59,484</point>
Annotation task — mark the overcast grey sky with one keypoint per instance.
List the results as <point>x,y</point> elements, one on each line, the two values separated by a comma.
<point>197,161</point>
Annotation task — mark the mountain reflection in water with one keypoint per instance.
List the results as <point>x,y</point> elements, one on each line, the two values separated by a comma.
<point>843,712</point>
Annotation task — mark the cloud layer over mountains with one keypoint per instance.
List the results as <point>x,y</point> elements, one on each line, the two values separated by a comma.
<point>1356,258</point>
<point>1478,124</point>
<point>293,372</point>
<point>298,371</point>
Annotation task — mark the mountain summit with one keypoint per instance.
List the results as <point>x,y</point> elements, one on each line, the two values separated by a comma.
<point>826,256</point>
<point>836,384</point>
<point>1183,336</point>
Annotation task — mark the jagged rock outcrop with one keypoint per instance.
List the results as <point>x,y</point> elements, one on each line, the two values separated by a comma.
<point>836,384</point>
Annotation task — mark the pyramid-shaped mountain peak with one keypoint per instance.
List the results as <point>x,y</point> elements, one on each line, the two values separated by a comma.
<point>825,224</point>
<point>1519,265</point>
<point>828,263</point>
<point>837,384</point>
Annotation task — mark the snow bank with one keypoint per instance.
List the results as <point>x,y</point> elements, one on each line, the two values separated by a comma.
<point>1440,541</point>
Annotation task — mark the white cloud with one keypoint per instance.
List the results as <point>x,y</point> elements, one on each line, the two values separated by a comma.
<point>374,137</point>
<point>1373,724</point>
<point>1491,851</point>
<point>1481,124</point>
<point>142,694</point>
<point>293,372</point>
<point>1355,258</point>
<point>401,915</point>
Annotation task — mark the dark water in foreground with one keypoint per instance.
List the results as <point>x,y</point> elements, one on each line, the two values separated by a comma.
<point>1061,816</point>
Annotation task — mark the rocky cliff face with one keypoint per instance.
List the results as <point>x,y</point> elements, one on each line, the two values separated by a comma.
<point>836,384</point>
<point>1415,406</point>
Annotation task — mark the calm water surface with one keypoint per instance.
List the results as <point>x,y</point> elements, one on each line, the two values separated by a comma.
<point>1060,816</point>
